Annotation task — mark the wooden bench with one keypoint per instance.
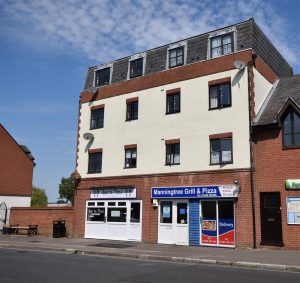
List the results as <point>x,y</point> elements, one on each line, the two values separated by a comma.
<point>29,230</point>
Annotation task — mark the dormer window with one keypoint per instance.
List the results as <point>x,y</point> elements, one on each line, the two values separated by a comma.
<point>177,54</point>
<point>136,67</point>
<point>176,57</point>
<point>103,76</point>
<point>221,45</point>
<point>291,129</point>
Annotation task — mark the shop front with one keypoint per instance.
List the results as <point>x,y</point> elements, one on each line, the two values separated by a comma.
<point>113,213</point>
<point>196,215</point>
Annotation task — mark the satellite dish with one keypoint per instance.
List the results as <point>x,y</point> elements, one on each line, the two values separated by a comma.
<point>238,64</point>
<point>88,136</point>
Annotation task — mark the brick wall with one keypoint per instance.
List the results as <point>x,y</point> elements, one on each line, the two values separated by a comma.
<point>150,215</point>
<point>273,166</point>
<point>15,167</point>
<point>43,217</point>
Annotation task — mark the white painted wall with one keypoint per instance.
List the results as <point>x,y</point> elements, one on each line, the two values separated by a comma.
<point>192,125</point>
<point>262,88</point>
<point>13,201</point>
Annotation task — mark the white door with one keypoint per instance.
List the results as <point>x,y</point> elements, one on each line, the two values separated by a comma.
<point>181,231</point>
<point>173,222</point>
<point>165,223</point>
<point>135,225</point>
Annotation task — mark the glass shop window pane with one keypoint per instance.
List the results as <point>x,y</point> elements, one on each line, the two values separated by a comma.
<point>182,215</point>
<point>135,212</point>
<point>116,214</point>
<point>166,212</point>
<point>96,214</point>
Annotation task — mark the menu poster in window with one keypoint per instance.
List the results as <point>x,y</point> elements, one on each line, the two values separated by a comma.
<point>115,213</point>
<point>293,210</point>
<point>166,212</point>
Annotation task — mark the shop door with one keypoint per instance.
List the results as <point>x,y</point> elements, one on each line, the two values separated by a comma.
<point>217,223</point>
<point>271,227</point>
<point>173,222</point>
<point>209,233</point>
<point>135,226</point>
<point>181,233</point>
<point>165,224</point>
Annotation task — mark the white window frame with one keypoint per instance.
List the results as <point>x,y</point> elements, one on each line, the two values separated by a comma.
<point>218,33</point>
<point>104,66</point>
<point>174,46</point>
<point>134,57</point>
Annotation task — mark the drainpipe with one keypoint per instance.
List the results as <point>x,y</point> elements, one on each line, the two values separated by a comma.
<point>251,64</point>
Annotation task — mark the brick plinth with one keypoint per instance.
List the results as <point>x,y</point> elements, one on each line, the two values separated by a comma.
<point>144,184</point>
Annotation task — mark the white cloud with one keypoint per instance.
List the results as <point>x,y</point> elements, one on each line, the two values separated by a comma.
<point>104,30</point>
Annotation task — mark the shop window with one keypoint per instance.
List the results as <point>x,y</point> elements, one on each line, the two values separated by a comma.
<point>97,118</point>
<point>96,214</point>
<point>166,212</point>
<point>221,151</point>
<point>135,208</point>
<point>291,129</point>
<point>173,154</point>
<point>116,214</point>
<point>176,57</point>
<point>173,103</point>
<point>130,158</point>
<point>220,95</point>
<point>136,68</point>
<point>95,162</point>
<point>132,110</point>
<point>182,216</point>
<point>102,77</point>
<point>221,45</point>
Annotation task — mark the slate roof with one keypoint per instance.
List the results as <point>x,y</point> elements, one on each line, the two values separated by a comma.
<point>287,90</point>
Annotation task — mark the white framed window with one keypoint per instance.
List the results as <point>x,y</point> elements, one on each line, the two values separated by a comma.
<point>136,65</point>
<point>103,74</point>
<point>221,42</point>
<point>176,55</point>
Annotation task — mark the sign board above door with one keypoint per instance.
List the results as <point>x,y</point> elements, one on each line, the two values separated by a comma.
<point>113,193</point>
<point>230,191</point>
<point>292,184</point>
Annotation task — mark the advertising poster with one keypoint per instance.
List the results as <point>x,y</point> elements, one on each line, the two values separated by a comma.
<point>166,212</point>
<point>209,231</point>
<point>293,210</point>
<point>226,232</point>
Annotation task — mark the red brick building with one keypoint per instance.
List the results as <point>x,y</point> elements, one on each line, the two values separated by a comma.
<point>164,140</point>
<point>16,169</point>
<point>276,152</point>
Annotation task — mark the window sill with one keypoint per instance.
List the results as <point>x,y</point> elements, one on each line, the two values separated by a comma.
<point>94,172</point>
<point>171,67</point>
<point>172,164</point>
<point>136,76</point>
<point>219,108</point>
<point>96,128</point>
<point>128,120</point>
<point>222,163</point>
<point>170,113</point>
<point>129,167</point>
<point>290,147</point>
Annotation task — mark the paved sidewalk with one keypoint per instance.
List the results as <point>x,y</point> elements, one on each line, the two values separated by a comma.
<point>259,258</point>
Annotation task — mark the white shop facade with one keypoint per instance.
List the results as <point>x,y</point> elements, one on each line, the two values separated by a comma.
<point>113,213</point>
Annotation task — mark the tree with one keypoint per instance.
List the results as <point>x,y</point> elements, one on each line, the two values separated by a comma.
<point>67,189</point>
<point>38,197</point>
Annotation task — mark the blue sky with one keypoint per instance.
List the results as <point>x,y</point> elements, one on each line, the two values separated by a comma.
<point>46,47</point>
